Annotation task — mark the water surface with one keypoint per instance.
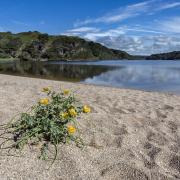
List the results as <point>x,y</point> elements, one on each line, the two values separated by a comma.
<point>144,75</point>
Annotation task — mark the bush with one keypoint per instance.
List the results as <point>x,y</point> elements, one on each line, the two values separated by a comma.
<point>51,121</point>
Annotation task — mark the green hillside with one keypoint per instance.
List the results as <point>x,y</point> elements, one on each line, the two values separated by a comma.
<point>37,46</point>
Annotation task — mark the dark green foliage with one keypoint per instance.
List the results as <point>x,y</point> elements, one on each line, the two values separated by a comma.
<point>43,38</point>
<point>44,124</point>
<point>36,46</point>
<point>3,54</point>
<point>32,51</point>
<point>175,55</point>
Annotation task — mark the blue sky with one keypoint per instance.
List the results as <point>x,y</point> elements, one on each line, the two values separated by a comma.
<point>138,27</point>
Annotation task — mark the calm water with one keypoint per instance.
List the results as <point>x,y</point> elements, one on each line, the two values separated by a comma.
<point>145,75</point>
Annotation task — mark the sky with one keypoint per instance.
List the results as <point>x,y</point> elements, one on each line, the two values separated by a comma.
<point>140,27</point>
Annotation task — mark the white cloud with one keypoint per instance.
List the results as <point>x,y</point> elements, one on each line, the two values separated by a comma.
<point>141,29</point>
<point>119,14</point>
<point>110,33</point>
<point>171,25</point>
<point>83,29</point>
<point>153,41</point>
<point>142,45</point>
<point>168,6</point>
<point>122,38</point>
<point>144,8</point>
<point>146,38</point>
<point>71,34</point>
<point>94,33</point>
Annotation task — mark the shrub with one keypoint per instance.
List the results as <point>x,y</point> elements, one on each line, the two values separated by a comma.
<point>51,121</point>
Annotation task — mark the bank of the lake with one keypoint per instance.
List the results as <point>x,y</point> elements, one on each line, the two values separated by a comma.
<point>151,75</point>
<point>130,134</point>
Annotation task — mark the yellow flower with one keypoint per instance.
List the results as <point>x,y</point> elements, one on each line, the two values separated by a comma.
<point>64,115</point>
<point>86,109</point>
<point>71,129</point>
<point>66,91</point>
<point>44,101</point>
<point>72,112</point>
<point>46,89</point>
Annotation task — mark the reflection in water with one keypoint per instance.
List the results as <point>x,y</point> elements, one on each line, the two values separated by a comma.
<point>141,77</point>
<point>145,75</point>
<point>68,72</point>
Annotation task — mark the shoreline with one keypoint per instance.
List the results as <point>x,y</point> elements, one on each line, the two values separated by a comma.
<point>4,60</point>
<point>129,134</point>
<point>90,84</point>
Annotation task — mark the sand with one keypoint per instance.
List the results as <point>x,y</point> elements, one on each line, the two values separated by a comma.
<point>130,134</point>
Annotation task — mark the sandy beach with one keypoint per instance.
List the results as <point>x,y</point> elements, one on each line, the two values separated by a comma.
<point>129,135</point>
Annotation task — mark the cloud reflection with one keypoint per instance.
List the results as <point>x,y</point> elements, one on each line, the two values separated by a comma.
<point>141,77</point>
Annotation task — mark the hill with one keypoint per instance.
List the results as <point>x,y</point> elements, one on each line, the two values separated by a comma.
<point>37,46</point>
<point>175,55</point>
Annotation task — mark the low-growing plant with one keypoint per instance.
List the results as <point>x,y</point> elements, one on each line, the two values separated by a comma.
<point>53,120</point>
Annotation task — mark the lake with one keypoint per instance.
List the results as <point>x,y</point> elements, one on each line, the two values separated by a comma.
<point>144,75</point>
